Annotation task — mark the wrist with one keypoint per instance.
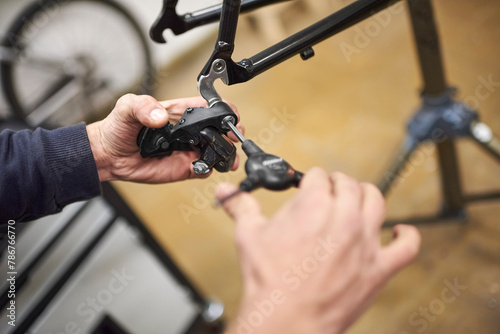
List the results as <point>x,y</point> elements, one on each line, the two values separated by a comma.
<point>103,161</point>
<point>273,313</point>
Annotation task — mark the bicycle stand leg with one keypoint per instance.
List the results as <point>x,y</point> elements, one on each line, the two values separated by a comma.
<point>483,135</point>
<point>391,176</point>
<point>453,199</point>
<point>437,112</point>
<point>428,46</point>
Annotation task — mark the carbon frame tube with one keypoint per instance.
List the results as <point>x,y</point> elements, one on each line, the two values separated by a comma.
<point>312,35</point>
<point>179,24</point>
<point>212,14</point>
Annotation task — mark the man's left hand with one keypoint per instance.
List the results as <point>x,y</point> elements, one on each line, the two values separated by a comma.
<point>114,141</point>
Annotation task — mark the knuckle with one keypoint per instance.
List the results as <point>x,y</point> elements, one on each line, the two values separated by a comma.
<point>370,187</point>
<point>148,99</point>
<point>316,169</point>
<point>127,98</point>
<point>338,175</point>
<point>374,194</point>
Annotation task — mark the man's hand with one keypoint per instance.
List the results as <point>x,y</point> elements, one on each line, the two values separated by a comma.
<point>318,263</point>
<point>114,141</point>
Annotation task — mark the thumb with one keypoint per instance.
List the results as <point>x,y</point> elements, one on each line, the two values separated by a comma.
<point>402,250</point>
<point>243,207</point>
<point>156,118</point>
<point>142,109</point>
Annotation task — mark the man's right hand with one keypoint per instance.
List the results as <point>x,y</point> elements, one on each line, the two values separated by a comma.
<point>318,263</point>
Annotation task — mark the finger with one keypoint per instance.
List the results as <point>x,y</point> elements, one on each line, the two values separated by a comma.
<point>347,188</point>
<point>312,203</point>
<point>232,136</point>
<point>141,110</point>
<point>347,209</point>
<point>241,128</point>
<point>236,163</point>
<point>373,209</point>
<point>178,106</point>
<point>243,208</point>
<point>401,251</point>
<point>233,107</point>
<point>316,179</point>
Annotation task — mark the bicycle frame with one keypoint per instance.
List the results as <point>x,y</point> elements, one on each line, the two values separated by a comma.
<point>299,43</point>
<point>179,24</point>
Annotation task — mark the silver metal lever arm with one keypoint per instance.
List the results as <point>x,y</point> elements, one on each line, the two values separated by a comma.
<point>218,70</point>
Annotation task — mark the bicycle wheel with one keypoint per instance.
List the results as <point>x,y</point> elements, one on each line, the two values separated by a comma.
<point>70,59</point>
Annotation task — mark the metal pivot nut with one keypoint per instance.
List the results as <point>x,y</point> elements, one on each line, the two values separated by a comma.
<point>219,65</point>
<point>227,119</point>
<point>200,167</point>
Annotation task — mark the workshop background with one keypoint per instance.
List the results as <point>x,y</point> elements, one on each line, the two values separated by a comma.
<point>345,110</point>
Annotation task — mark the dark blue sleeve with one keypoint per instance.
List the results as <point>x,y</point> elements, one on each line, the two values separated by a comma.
<point>41,171</point>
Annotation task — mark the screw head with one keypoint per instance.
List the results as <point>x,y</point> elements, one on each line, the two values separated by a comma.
<point>191,141</point>
<point>200,167</point>
<point>227,119</point>
<point>219,66</point>
<point>182,120</point>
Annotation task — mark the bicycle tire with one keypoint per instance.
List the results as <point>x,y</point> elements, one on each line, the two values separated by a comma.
<point>14,40</point>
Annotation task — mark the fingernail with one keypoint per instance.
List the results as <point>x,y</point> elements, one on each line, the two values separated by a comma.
<point>157,115</point>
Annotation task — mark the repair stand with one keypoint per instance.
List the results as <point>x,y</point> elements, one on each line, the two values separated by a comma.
<point>441,119</point>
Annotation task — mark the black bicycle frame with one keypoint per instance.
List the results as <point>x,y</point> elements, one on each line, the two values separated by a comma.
<point>298,43</point>
<point>179,24</point>
<point>228,13</point>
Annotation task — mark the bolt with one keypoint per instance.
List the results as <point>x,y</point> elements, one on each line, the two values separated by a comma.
<point>162,142</point>
<point>307,53</point>
<point>200,167</point>
<point>219,66</point>
<point>227,119</point>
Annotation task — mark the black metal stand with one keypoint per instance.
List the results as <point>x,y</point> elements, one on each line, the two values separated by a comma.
<point>441,119</point>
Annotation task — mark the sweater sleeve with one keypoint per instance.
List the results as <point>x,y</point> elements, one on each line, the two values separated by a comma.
<point>41,171</point>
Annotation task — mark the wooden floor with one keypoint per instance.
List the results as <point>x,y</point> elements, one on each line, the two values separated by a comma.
<point>347,111</point>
